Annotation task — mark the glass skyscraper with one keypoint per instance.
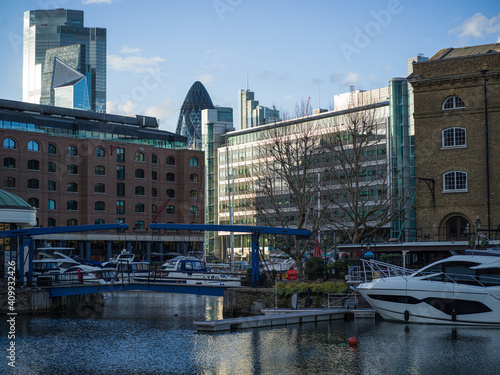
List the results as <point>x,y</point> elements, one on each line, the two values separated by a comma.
<point>46,30</point>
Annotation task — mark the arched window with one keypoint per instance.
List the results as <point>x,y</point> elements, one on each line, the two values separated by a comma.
<point>154,208</point>
<point>139,173</point>
<point>193,177</point>
<point>170,193</point>
<point>99,152</point>
<point>139,190</point>
<point>51,222</point>
<point>453,102</point>
<point>453,137</point>
<point>33,183</point>
<point>170,210</point>
<point>72,151</point>
<point>72,187</point>
<point>52,150</point>
<point>99,206</point>
<point>193,162</point>
<point>139,207</point>
<point>52,186</point>
<point>193,210</point>
<point>454,182</point>
<point>457,229</point>
<point>139,156</point>
<point>100,170</point>
<point>34,202</point>
<point>193,194</point>
<point>9,163</point>
<point>72,205</point>
<point>154,175</point>
<point>34,165</point>
<point>52,167</point>
<point>72,169</point>
<point>170,160</point>
<point>99,188</point>
<point>170,177</point>
<point>51,204</point>
<point>139,224</point>
<point>154,159</point>
<point>9,143</point>
<point>33,146</point>
<point>154,192</point>
<point>9,182</point>
<point>71,222</point>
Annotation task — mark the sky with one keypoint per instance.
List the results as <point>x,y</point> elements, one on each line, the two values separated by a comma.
<point>286,51</point>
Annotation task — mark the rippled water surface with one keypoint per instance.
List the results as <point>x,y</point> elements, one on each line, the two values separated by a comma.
<point>153,333</point>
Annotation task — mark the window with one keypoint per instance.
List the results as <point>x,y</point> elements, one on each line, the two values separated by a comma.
<point>139,224</point>
<point>72,205</point>
<point>139,173</point>
<point>9,182</point>
<point>453,137</point>
<point>139,207</point>
<point>120,154</point>
<point>72,187</point>
<point>33,183</point>
<point>72,151</point>
<point>154,159</point>
<point>33,146</point>
<point>99,206</point>
<point>455,181</point>
<point>120,189</point>
<point>170,177</point>
<point>193,162</point>
<point>9,163</point>
<point>99,188</point>
<point>51,204</point>
<point>170,160</point>
<point>139,190</point>
<point>154,208</point>
<point>52,167</point>
<point>193,177</point>
<point>52,149</point>
<point>120,172</point>
<point>120,207</point>
<point>154,176</point>
<point>193,210</point>
<point>170,193</point>
<point>170,210</point>
<point>72,169</point>
<point>99,152</point>
<point>139,156</point>
<point>34,165</point>
<point>154,192</point>
<point>99,221</point>
<point>51,222</point>
<point>71,222</point>
<point>453,102</point>
<point>52,186</point>
<point>34,202</point>
<point>9,143</point>
<point>193,194</point>
<point>100,170</point>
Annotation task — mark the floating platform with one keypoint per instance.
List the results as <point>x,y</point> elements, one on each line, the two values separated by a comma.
<point>276,317</point>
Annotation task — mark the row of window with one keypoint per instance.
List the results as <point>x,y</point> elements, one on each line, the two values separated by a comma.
<point>139,224</point>
<point>99,152</point>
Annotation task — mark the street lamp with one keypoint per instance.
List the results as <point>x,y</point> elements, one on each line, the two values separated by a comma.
<point>478,225</point>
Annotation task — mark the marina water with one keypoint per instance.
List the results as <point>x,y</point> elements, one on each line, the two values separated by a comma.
<point>153,333</point>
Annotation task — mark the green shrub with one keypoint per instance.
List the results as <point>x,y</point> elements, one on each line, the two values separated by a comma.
<point>316,288</point>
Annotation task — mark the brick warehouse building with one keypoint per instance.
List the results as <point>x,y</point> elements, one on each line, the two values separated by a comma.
<point>80,167</point>
<point>457,143</point>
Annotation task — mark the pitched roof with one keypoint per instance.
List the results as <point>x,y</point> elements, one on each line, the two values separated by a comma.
<point>449,53</point>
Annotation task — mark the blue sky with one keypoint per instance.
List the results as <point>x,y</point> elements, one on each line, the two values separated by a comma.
<point>158,48</point>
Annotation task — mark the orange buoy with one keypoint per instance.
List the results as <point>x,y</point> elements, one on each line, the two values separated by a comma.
<point>353,341</point>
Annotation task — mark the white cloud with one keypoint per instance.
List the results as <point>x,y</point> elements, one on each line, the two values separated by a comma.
<point>128,49</point>
<point>351,78</point>
<point>136,64</point>
<point>206,78</point>
<point>126,107</point>
<point>478,26</point>
<point>163,112</point>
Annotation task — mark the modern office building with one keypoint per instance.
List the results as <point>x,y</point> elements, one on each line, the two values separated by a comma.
<point>457,138</point>
<point>189,123</point>
<point>80,167</point>
<point>253,114</point>
<point>44,32</point>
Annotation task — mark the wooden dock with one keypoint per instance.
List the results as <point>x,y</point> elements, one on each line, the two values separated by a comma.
<point>280,317</point>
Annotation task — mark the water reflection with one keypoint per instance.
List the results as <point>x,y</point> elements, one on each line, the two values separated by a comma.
<point>153,333</point>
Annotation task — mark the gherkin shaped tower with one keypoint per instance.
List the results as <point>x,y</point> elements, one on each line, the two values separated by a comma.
<point>189,124</point>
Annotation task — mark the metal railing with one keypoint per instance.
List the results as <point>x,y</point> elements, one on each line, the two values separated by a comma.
<point>373,269</point>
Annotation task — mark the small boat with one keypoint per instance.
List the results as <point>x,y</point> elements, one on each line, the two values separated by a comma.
<point>125,265</point>
<point>192,271</point>
<point>87,274</point>
<point>460,290</point>
<point>51,262</point>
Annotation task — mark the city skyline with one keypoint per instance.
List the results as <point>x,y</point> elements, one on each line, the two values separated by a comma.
<point>289,53</point>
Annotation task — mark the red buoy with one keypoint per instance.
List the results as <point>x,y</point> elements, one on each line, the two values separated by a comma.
<point>353,341</point>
